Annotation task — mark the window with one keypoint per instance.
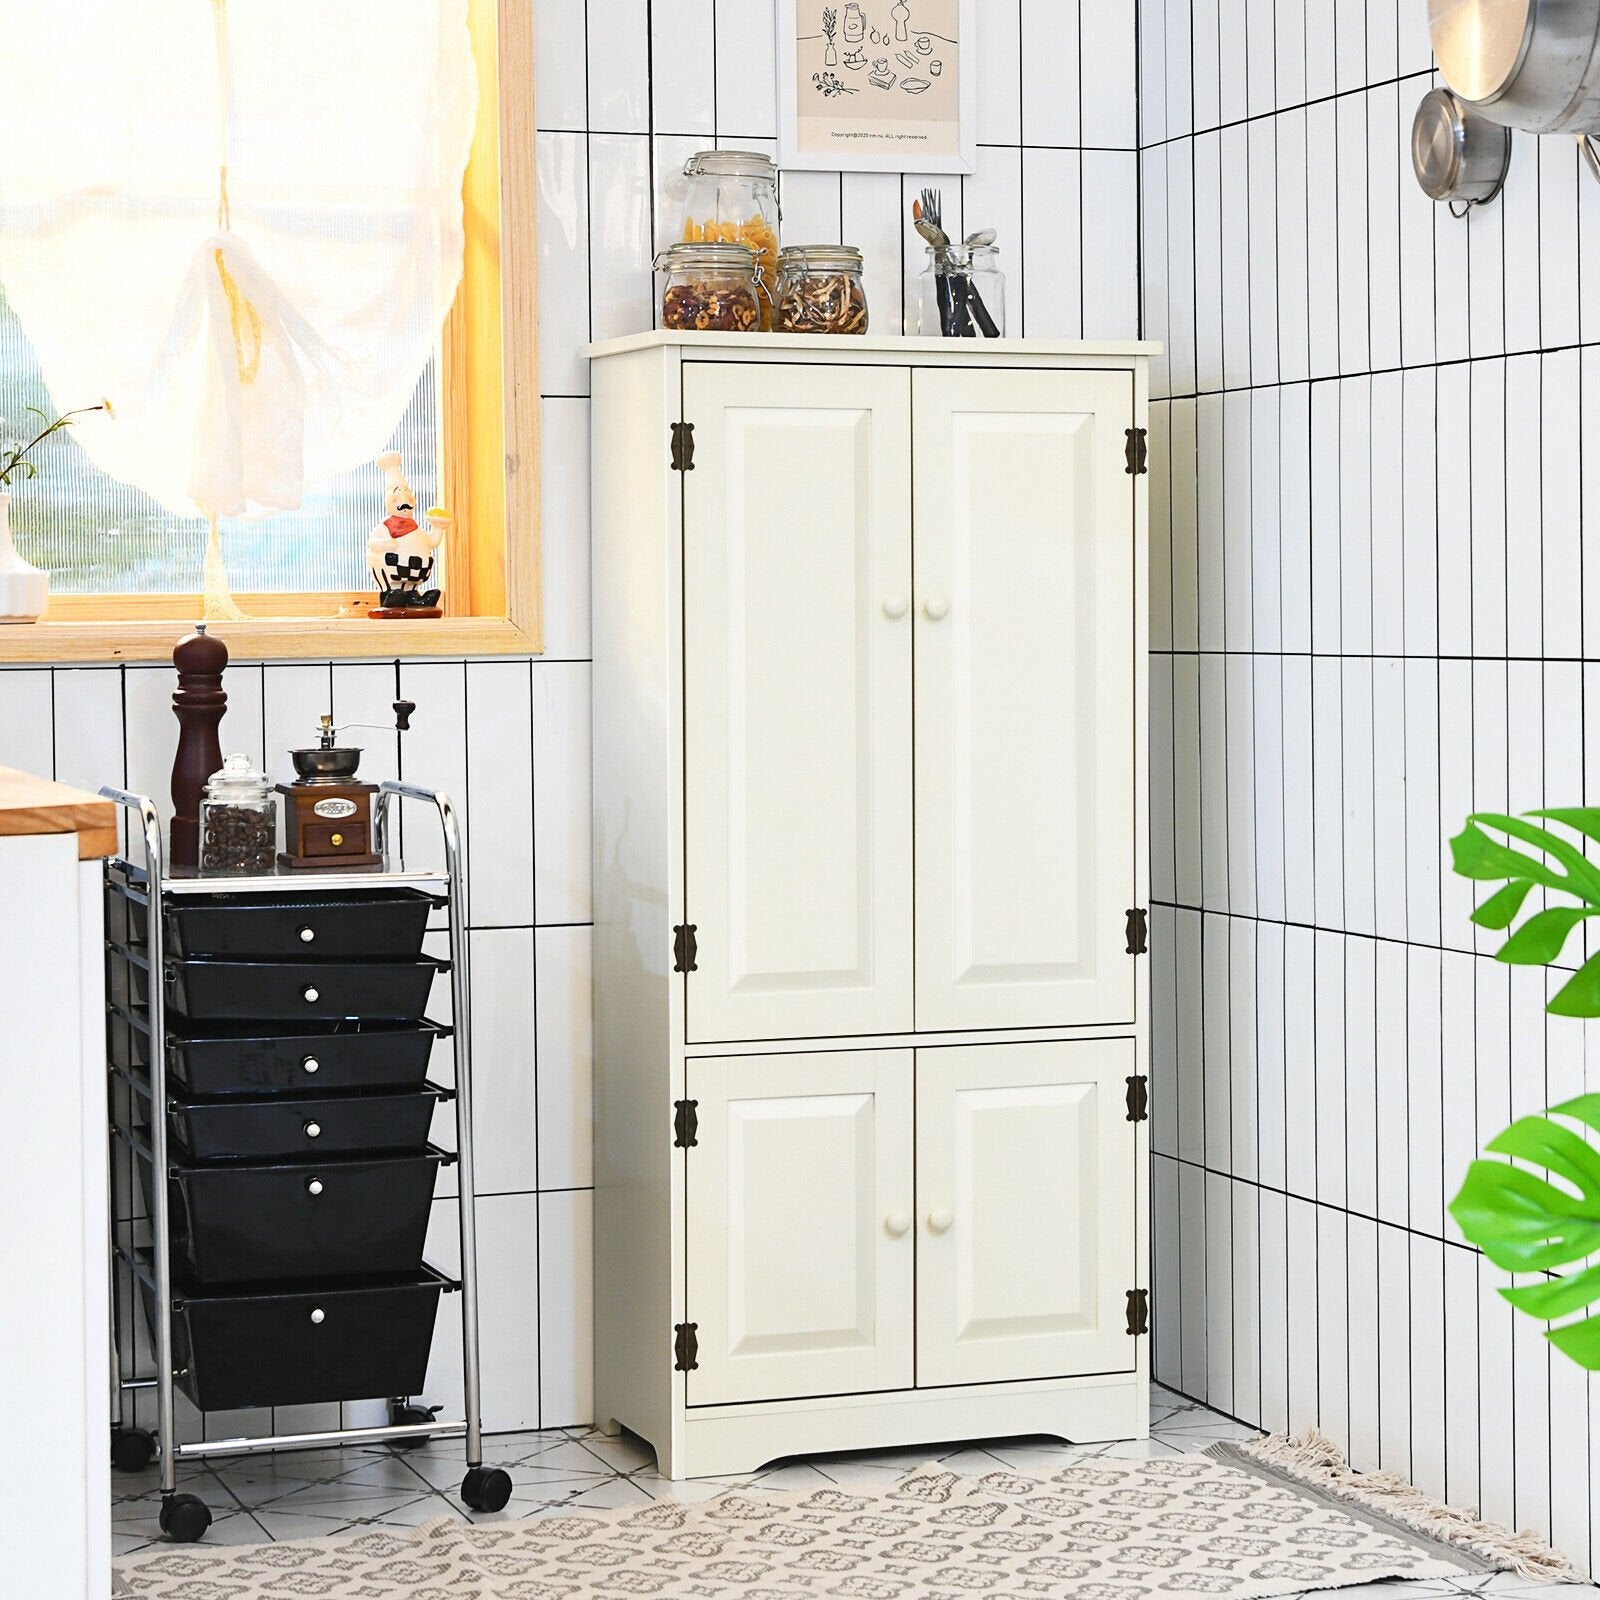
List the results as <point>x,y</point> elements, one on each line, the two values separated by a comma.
<point>126,573</point>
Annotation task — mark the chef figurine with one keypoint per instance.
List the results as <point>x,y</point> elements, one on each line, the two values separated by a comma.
<point>401,552</point>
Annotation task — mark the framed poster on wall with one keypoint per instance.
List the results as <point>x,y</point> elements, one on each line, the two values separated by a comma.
<point>877,85</point>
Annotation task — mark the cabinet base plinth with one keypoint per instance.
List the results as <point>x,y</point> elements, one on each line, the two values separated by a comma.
<point>728,1441</point>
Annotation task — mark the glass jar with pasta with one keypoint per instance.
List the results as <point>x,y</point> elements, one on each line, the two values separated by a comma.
<point>732,198</point>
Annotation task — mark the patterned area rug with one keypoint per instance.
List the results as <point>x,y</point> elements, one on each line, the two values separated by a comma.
<point>1234,1524</point>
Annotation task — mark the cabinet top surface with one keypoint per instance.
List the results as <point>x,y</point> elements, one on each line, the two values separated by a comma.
<point>32,805</point>
<point>779,345</point>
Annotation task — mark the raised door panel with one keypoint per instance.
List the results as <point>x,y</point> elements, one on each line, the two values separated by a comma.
<point>1026,1194</point>
<point>1025,728</point>
<point>797,687</point>
<point>800,1243</point>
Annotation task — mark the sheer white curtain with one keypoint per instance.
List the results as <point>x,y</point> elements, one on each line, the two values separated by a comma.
<point>240,222</point>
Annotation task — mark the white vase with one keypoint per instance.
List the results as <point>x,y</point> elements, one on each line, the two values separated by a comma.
<point>24,589</point>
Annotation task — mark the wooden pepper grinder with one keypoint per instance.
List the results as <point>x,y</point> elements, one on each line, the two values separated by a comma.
<point>198,703</point>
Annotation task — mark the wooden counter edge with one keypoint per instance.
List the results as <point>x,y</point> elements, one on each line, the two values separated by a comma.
<point>34,805</point>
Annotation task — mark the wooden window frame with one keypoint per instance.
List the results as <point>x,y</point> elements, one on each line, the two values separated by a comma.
<point>489,435</point>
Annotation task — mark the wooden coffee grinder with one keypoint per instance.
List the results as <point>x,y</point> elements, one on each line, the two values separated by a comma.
<point>327,816</point>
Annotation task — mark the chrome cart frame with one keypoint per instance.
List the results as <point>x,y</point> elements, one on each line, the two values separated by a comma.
<point>482,1490</point>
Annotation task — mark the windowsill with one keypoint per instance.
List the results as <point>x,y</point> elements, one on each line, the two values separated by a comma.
<point>267,639</point>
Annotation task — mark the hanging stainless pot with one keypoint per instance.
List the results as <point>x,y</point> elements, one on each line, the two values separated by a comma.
<point>1459,156</point>
<point>1532,64</point>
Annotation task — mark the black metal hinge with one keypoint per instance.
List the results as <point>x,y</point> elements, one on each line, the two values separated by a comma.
<point>1138,452</point>
<point>1138,931</point>
<point>686,1126</point>
<point>1138,1098</point>
<point>687,1348</point>
<point>683,447</point>
<point>1138,1312</point>
<point>685,947</point>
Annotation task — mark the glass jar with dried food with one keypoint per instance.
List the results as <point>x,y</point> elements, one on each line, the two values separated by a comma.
<point>710,288</point>
<point>732,198</point>
<point>820,290</point>
<point>238,820</point>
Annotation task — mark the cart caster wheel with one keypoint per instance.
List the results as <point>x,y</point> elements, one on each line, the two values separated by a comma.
<point>486,1489</point>
<point>184,1518</point>
<point>409,1417</point>
<point>132,1449</point>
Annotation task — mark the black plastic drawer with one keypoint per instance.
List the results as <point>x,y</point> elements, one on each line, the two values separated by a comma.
<point>360,924</point>
<point>281,1347</point>
<point>304,1125</point>
<point>223,1058</point>
<point>208,991</point>
<point>257,1222</point>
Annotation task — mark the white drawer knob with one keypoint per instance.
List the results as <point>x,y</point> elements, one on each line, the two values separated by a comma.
<point>313,1186</point>
<point>311,995</point>
<point>940,1221</point>
<point>311,1064</point>
<point>897,1224</point>
<point>895,607</point>
<point>936,610</point>
<point>313,1130</point>
<point>307,935</point>
<point>318,1316</point>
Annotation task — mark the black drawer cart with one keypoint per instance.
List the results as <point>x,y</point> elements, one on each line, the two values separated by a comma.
<point>280,1022</point>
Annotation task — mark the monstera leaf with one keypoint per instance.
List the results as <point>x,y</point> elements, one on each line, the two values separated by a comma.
<point>1560,868</point>
<point>1544,1221</point>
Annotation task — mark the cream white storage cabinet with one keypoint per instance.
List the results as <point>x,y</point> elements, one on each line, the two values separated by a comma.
<point>870,859</point>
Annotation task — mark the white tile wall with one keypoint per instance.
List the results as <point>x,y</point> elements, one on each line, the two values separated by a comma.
<point>1371,619</point>
<point>626,90</point>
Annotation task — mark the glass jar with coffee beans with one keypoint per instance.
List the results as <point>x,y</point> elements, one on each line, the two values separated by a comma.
<point>238,820</point>
<point>710,288</point>
<point>820,290</point>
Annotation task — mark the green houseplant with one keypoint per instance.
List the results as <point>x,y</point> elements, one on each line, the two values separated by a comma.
<point>1538,1210</point>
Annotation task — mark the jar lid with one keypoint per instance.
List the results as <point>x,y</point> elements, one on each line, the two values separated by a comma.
<point>239,777</point>
<point>711,257</point>
<point>829,257</point>
<point>731,164</point>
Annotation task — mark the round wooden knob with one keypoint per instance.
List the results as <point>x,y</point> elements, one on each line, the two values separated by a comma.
<point>940,1221</point>
<point>897,1224</point>
<point>936,610</point>
<point>895,607</point>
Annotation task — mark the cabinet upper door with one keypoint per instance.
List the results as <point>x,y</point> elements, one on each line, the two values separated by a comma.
<point>1026,1193</point>
<point>1025,728</point>
<point>797,689</point>
<point>800,1238</point>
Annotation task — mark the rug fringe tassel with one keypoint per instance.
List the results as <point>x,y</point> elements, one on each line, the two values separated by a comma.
<point>1315,1459</point>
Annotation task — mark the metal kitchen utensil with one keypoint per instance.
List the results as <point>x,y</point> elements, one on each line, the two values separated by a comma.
<point>1459,156</point>
<point>982,239</point>
<point>1531,64</point>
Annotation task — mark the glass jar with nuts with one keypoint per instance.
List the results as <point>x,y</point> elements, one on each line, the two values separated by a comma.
<point>820,290</point>
<point>710,288</point>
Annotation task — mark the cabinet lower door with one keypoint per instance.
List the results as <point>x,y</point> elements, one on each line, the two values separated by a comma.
<point>1026,555</point>
<point>801,1242</point>
<point>797,701</point>
<point>1026,1185</point>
